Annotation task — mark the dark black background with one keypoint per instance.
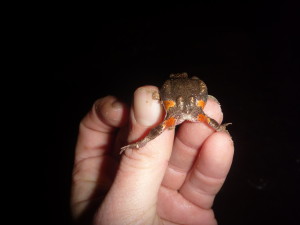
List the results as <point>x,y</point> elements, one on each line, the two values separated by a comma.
<point>246,53</point>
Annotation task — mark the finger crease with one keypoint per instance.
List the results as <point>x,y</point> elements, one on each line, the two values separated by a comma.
<point>81,161</point>
<point>211,178</point>
<point>97,130</point>
<point>187,145</point>
<point>176,169</point>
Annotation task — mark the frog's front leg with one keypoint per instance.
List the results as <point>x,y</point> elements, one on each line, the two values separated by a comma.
<point>156,131</point>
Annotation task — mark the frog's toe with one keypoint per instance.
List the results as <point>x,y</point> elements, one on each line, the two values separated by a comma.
<point>127,147</point>
<point>223,127</point>
<point>131,146</point>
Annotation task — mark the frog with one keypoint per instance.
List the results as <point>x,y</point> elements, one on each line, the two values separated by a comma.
<point>183,99</point>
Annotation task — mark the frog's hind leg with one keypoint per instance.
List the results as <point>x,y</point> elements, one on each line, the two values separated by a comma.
<point>156,131</point>
<point>202,117</point>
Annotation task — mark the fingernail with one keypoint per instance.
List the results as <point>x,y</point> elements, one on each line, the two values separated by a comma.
<point>117,105</point>
<point>146,109</point>
<point>98,104</point>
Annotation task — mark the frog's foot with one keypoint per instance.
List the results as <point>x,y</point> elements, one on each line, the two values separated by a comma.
<point>223,127</point>
<point>136,145</point>
<point>202,117</point>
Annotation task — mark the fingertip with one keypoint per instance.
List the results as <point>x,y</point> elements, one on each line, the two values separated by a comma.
<point>216,155</point>
<point>111,111</point>
<point>96,129</point>
<point>223,140</point>
<point>213,109</point>
<point>146,110</point>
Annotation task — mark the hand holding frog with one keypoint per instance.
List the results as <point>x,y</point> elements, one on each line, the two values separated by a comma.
<point>171,180</point>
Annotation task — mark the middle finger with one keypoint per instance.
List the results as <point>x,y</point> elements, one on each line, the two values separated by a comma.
<point>187,144</point>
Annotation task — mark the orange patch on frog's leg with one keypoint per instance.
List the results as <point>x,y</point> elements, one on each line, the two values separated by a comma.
<point>169,104</point>
<point>201,104</point>
<point>170,123</point>
<point>203,118</point>
<point>211,122</point>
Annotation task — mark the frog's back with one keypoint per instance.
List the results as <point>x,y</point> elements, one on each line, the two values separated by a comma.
<point>179,85</point>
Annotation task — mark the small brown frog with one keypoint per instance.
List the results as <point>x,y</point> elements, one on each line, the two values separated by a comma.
<point>183,99</point>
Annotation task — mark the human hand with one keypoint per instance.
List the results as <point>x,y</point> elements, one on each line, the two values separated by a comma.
<point>171,180</point>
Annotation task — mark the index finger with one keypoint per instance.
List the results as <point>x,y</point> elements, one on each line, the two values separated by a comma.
<point>97,128</point>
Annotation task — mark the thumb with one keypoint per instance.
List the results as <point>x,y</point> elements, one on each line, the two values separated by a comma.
<point>141,170</point>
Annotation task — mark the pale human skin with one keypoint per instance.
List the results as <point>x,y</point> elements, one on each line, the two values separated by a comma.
<point>172,180</point>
